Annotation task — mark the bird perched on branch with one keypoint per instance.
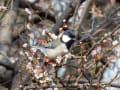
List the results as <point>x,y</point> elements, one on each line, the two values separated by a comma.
<point>52,50</point>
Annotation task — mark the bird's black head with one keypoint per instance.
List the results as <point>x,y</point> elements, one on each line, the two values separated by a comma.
<point>68,38</point>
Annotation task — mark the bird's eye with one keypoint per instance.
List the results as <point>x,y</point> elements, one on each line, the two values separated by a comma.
<point>65,38</point>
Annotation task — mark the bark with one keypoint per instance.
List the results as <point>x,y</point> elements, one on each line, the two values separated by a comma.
<point>6,27</point>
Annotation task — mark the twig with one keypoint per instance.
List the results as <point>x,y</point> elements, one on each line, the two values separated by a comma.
<point>3,12</point>
<point>94,34</point>
<point>95,83</point>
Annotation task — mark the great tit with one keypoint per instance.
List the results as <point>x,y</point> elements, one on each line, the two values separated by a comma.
<point>66,40</point>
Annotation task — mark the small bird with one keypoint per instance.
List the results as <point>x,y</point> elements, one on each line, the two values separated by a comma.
<point>65,42</point>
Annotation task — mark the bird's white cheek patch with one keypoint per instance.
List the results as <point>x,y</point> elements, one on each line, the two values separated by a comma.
<point>65,38</point>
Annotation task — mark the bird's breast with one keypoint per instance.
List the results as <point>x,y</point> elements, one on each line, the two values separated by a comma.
<point>58,51</point>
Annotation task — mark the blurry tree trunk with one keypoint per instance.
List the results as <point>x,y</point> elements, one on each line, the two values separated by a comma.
<point>65,16</point>
<point>6,27</point>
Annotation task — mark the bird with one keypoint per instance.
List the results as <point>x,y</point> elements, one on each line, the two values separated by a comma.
<point>65,42</point>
